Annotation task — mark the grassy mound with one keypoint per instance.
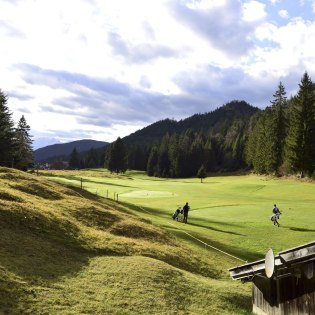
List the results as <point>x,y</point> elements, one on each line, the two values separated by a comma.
<point>66,251</point>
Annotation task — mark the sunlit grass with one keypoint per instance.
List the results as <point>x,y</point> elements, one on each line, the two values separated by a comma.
<point>231,212</point>
<point>66,251</point>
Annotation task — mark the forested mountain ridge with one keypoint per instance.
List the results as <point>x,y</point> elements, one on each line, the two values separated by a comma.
<point>214,141</point>
<point>208,122</point>
<point>223,125</point>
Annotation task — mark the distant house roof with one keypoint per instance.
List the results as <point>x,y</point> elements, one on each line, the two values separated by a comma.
<point>284,263</point>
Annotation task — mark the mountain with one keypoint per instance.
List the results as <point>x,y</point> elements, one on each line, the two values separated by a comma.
<point>64,149</point>
<point>215,140</point>
<point>217,121</point>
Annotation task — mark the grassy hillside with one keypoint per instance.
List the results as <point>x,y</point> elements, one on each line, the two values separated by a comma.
<point>66,251</point>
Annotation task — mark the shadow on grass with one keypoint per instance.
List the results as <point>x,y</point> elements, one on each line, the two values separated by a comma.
<point>205,221</point>
<point>298,229</point>
<point>36,246</point>
<point>192,221</point>
<point>11,292</point>
<point>215,229</point>
<point>242,253</point>
<point>239,301</point>
<point>106,183</point>
<point>86,180</point>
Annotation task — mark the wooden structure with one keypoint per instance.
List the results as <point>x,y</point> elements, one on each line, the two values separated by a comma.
<point>282,284</point>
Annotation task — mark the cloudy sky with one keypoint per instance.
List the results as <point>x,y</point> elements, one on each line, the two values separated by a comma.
<point>99,69</point>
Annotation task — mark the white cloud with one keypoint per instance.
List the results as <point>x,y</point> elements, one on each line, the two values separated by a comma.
<point>109,67</point>
<point>284,14</point>
<point>253,11</point>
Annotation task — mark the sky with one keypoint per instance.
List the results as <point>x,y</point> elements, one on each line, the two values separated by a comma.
<point>102,69</point>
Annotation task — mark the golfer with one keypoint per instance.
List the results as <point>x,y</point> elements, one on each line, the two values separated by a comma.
<point>186,209</point>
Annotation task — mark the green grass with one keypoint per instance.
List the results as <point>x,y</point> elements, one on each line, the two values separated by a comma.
<point>228,212</point>
<point>64,250</point>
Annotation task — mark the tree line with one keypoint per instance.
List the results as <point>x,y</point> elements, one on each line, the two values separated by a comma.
<point>202,148</point>
<point>282,137</point>
<point>15,142</point>
<point>278,140</point>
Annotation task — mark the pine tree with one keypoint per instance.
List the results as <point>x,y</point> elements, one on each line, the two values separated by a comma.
<point>276,131</point>
<point>74,161</point>
<point>261,148</point>
<point>164,163</point>
<point>117,157</point>
<point>91,159</point>
<point>300,141</point>
<point>152,162</point>
<point>7,134</point>
<point>202,173</point>
<point>196,154</point>
<point>24,152</point>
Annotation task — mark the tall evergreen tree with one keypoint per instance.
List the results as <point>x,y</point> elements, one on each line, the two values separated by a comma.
<point>202,173</point>
<point>74,160</point>
<point>197,157</point>
<point>117,157</point>
<point>7,134</point>
<point>300,141</point>
<point>91,160</point>
<point>153,162</point>
<point>260,148</point>
<point>24,152</point>
<point>137,158</point>
<point>164,163</point>
<point>276,132</point>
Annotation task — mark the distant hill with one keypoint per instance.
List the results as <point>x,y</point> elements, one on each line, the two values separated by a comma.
<point>64,149</point>
<point>217,121</point>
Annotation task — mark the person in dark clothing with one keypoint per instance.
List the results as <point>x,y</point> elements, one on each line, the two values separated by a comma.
<point>276,215</point>
<point>186,209</point>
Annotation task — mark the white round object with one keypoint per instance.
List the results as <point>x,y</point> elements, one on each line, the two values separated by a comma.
<point>269,263</point>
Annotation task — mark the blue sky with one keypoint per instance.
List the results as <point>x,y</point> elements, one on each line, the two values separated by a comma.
<point>99,69</point>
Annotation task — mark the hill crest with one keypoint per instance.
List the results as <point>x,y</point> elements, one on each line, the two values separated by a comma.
<point>65,149</point>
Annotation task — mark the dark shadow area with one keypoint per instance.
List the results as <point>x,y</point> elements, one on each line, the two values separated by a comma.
<point>298,229</point>
<point>215,229</point>
<point>241,253</point>
<point>107,184</point>
<point>96,218</point>
<point>222,223</point>
<point>36,246</point>
<point>39,190</point>
<point>9,197</point>
<point>209,207</point>
<point>239,301</point>
<point>11,292</point>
